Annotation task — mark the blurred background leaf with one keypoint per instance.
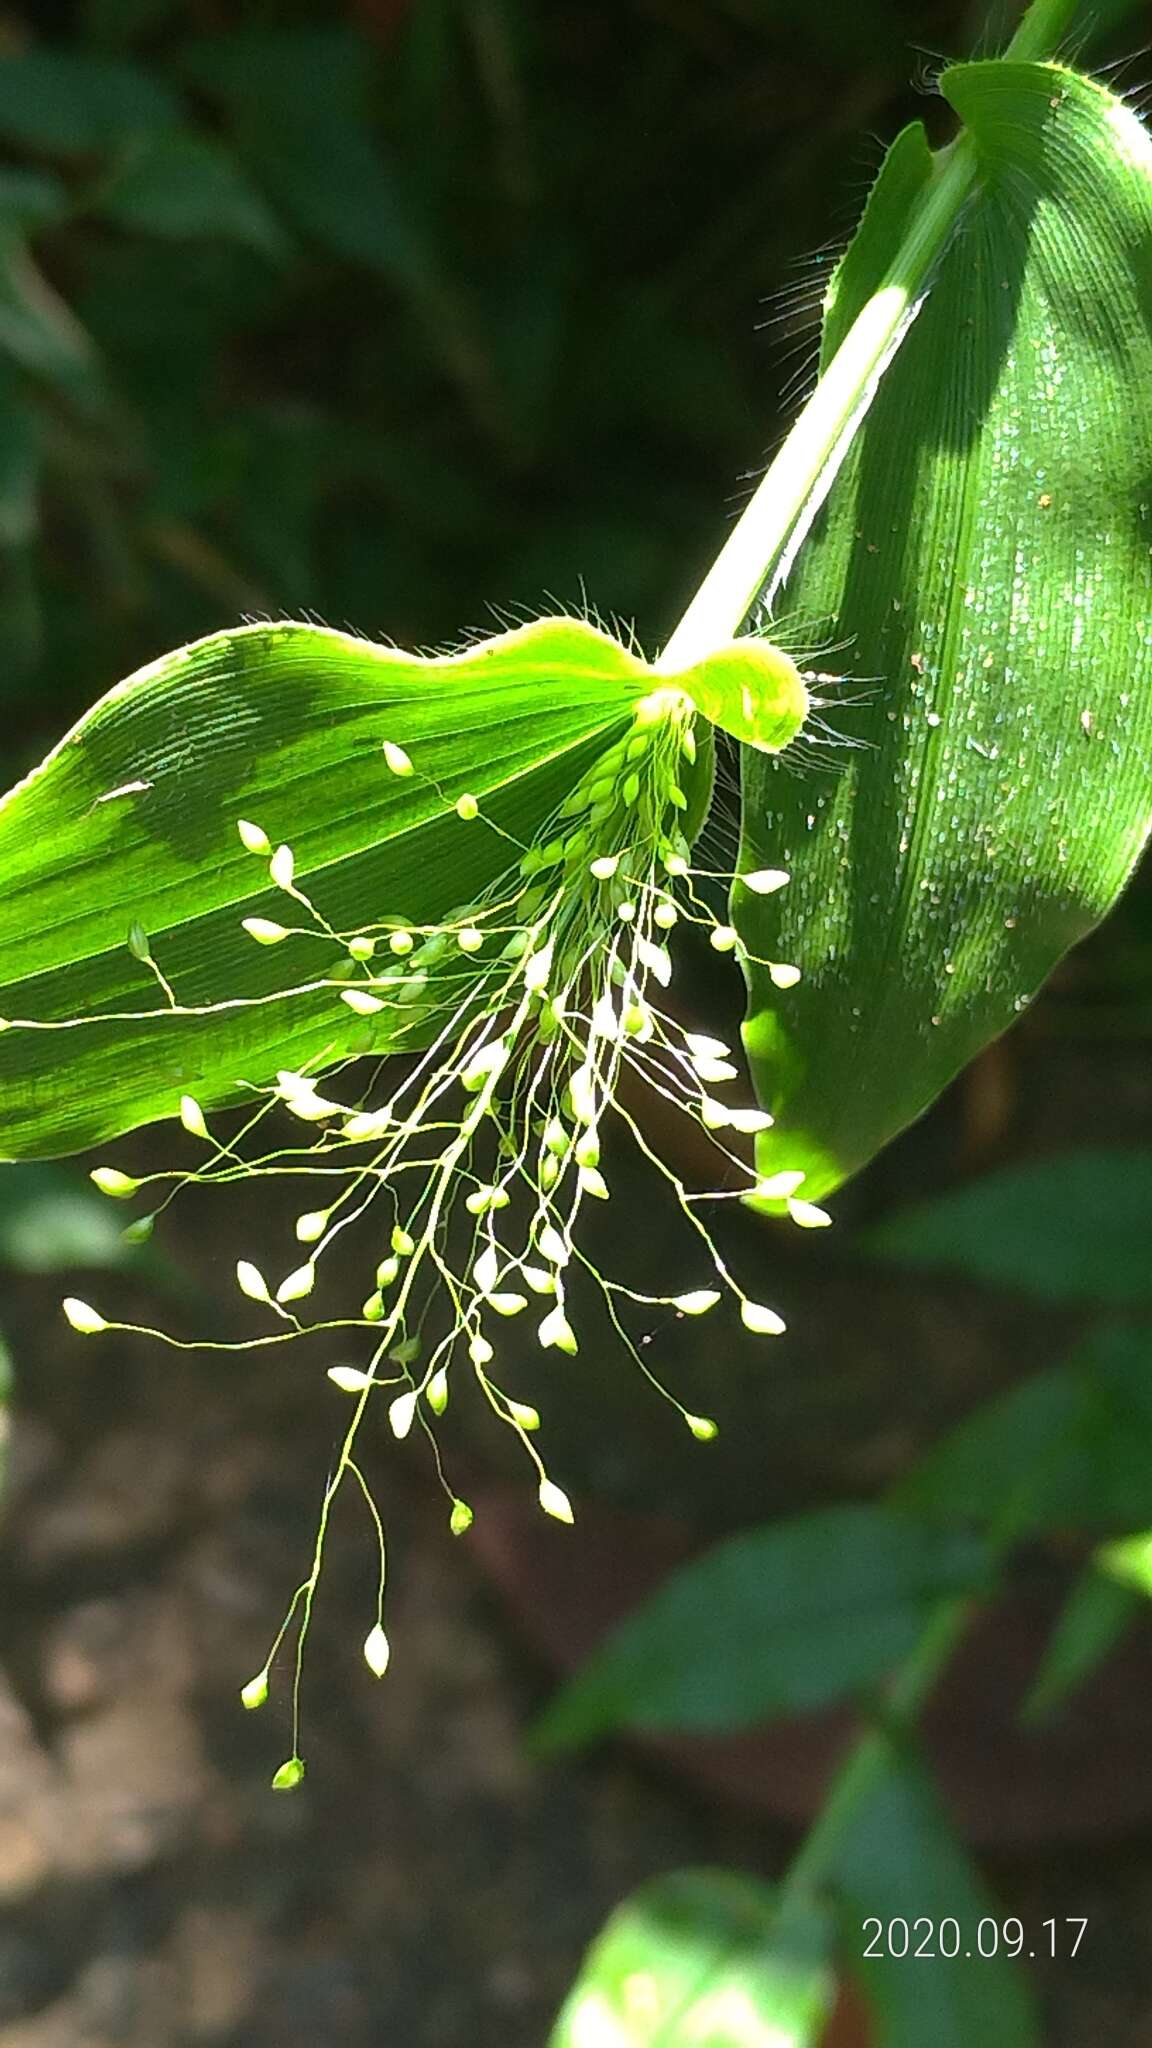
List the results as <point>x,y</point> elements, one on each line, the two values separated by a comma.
<point>1094,1617</point>
<point>5,1394</point>
<point>902,1861</point>
<point>698,1960</point>
<point>52,1221</point>
<point>72,103</point>
<point>1075,1227</point>
<point>183,185</point>
<point>1069,1448</point>
<point>777,1620</point>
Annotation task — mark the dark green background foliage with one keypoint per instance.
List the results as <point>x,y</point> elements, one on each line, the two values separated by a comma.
<point>391,312</point>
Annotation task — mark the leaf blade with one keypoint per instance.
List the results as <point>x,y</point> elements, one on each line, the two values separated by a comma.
<point>985,552</point>
<point>132,821</point>
<point>1074,1227</point>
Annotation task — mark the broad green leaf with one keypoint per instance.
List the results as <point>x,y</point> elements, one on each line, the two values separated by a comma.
<point>700,1960</point>
<point>132,823</point>
<point>180,184</point>
<point>899,1863</point>
<point>983,564</point>
<point>1095,1615</point>
<point>395,786</point>
<point>1012,1456</point>
<point>776,1620</point>
<point>1075,1227</point>
<point>1070,1448</point>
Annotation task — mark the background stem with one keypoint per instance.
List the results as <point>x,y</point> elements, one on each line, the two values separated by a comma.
<point>871,1757</point>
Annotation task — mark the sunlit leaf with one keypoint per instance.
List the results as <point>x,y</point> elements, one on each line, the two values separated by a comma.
<point>131,826</point>
<point>701,1960</point>
<point>983,567</point>
<point>349,789</point>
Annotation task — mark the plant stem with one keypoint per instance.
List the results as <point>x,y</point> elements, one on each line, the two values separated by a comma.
<point>1042,30</point>
<point>785,503</point>
<point>871,1758</point>
<point>789,496</point>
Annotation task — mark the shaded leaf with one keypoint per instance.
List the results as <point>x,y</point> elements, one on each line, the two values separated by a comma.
<point>181,184</point>
<point>984,561</point>
<point>1094,1617</point>
<point>298,103</point>
<point>899,1860</point>
<point>19,463</point>
<point>31,199</point>
<point>38,329</point>
<point>777,1620</point>
<point>20,466</point>
<point>699,1960</point>
<point>69,102</point>
<point>1106,1598</point>
<point>118,21</point>
<point>1070,1448</point>
<point>1075,1227</point>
